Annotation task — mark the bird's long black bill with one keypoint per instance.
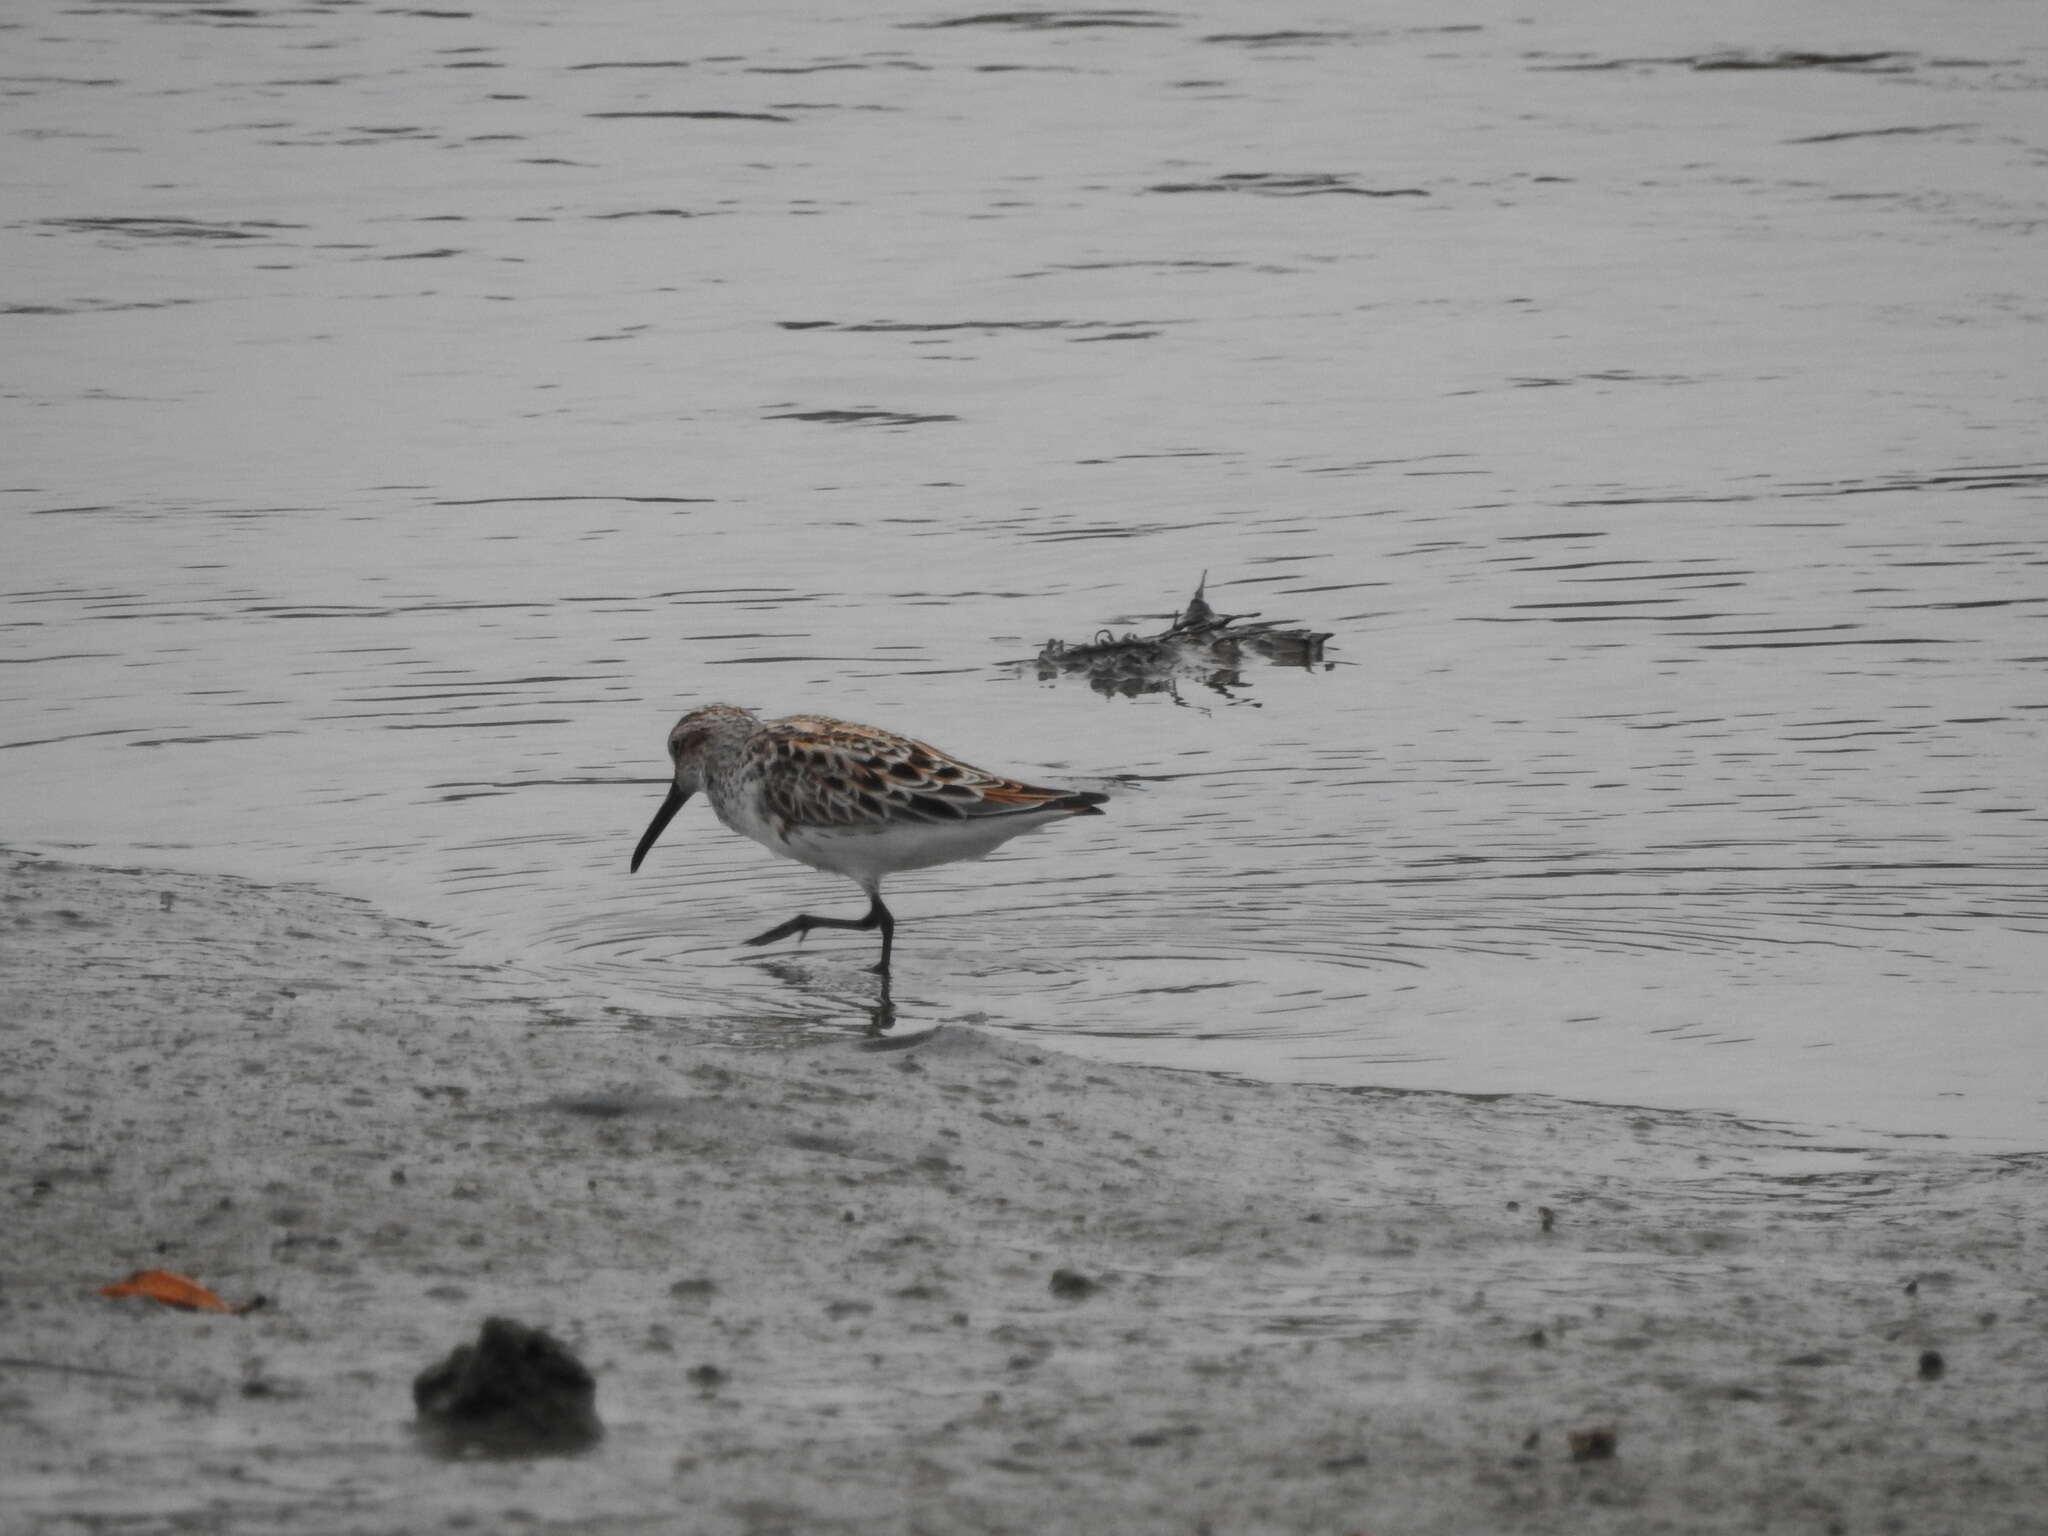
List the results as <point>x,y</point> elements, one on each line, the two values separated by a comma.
<point>662,817</point>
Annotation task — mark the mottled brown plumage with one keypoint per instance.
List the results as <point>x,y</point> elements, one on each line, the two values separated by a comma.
<point>815,772</point>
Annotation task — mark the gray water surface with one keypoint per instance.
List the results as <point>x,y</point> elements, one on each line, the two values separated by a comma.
<point>410,413</point>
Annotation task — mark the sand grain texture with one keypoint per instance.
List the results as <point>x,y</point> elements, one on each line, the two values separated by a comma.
<point>818,1287</point>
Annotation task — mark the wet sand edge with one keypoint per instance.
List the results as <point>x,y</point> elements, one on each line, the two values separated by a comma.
<point>967,1285</point>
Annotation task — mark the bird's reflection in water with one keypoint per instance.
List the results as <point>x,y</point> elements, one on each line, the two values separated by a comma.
<point>873,1004</point>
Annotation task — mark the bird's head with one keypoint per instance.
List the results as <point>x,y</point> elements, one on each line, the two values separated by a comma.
<point>692,742</point>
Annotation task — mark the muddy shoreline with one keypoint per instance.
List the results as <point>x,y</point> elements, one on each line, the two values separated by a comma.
<point>817,1287</point>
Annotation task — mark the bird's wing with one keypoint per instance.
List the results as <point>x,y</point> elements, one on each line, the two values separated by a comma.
<point>829,773</point>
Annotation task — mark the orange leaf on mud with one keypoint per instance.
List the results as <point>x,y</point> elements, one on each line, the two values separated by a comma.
<point>172,1290</point>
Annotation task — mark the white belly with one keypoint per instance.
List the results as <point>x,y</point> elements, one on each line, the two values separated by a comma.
<point>865,854</point>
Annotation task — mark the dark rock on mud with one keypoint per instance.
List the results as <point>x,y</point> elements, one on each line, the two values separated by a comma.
<point>1595,1443</point>
<point>515,1391</point>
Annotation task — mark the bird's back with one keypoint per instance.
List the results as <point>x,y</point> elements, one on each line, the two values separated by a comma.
<point>811,771</point>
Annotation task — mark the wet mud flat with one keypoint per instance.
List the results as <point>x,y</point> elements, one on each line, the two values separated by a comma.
<point>960,1284</point>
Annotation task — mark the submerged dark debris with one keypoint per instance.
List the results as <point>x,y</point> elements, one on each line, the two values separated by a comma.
<point>1888,62</point>
<point>1281,184</point>
<point>1046,21</point>
<point>1201,644</point>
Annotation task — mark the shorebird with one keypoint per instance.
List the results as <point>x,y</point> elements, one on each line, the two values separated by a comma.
<point>850,799</point>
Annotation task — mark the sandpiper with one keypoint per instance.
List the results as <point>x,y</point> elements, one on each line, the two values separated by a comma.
<point>850,799</point>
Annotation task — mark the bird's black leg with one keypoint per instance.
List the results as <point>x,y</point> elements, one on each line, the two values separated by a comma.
<point>882,1016</point>
<point>878,916</point>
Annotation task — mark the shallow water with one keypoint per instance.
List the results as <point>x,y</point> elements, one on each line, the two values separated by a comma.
<point>410,413</point>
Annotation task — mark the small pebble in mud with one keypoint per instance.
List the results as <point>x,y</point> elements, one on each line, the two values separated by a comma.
<point>1594,1444</point>
<point>1072,1285</point>
<point>1931,1364</point>
<point>515,1391</point>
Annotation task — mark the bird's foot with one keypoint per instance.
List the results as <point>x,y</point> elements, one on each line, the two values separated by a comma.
<point>800,925</point>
